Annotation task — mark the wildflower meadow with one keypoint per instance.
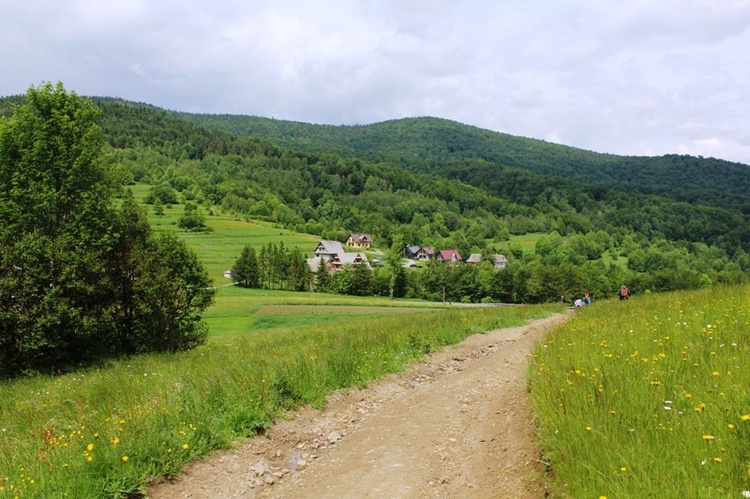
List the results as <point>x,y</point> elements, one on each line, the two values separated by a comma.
<point>648,397</point>
<point>109,431</point>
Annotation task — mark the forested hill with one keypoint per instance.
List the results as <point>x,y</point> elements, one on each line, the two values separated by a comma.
<point>473,204</point>
<point>440,146</point>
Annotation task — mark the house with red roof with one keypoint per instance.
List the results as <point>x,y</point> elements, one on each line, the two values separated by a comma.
<point>449,255</point>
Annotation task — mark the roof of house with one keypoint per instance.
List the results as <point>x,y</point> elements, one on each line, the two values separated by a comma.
<point>500,259</point>
<point>474,258</point>
<point>361,238</point>
<point>314,264</point>
<point>329,247</point>
<point>428,249</point>
<point>352,258</point>
<point>450,254</point>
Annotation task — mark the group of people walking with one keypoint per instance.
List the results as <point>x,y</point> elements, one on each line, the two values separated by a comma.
<point>623,293</point>
<point>584,300</point>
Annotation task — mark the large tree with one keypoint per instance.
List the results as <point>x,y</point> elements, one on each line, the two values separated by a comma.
<point>81,279</point>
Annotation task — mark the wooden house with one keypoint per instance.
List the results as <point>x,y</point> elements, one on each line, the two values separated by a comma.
<point>359,241</point>
<point>449,255</point>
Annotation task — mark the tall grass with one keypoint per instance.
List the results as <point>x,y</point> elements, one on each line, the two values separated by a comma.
<point>649,397</point>
<point>106,431</point>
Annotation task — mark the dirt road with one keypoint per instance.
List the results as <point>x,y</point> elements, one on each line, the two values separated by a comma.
<point>458,425</point>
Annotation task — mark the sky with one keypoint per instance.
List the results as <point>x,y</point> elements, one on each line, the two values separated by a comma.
<point>633,77</point>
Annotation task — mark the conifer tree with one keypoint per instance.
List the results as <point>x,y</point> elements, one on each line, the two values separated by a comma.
<point>245,270</point>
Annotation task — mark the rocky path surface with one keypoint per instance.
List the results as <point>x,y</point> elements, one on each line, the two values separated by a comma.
<point>458,425</point>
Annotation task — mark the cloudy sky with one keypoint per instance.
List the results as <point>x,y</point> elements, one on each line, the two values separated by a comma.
<point>620,76</point>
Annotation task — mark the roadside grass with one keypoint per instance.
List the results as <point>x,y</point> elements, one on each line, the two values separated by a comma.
<point>108,431</point>
<point>648,397</point>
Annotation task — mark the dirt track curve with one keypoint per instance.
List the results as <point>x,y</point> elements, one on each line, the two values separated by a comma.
<point>458,425</point>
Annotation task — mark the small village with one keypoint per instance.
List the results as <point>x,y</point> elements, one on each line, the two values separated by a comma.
<point>335,257</point>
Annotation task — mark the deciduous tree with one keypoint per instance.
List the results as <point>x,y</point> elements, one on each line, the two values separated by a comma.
<point>81,280</point>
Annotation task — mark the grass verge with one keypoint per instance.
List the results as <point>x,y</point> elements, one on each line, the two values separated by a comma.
<point>106,432</point>
<point>648,397</point>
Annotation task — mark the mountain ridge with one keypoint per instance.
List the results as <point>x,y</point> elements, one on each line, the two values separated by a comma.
<point>427,143</point>
<point>431,182</point>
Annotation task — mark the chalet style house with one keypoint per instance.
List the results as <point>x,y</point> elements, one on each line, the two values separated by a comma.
<point>422,254</point>
<point>359,241</point>
<point>410,251</point>
<point>328,249</point>
<point>499,261</point>
<point>449,255</point>
<point>426,253</point>
<point>334,257</point>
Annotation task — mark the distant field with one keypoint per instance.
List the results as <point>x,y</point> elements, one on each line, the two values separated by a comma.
<point>219,248</point>
<point>527,242</point>
<point>330,309</point>
<point>240,310</point>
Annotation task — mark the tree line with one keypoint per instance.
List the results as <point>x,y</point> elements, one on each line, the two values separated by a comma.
<point>453,201</point>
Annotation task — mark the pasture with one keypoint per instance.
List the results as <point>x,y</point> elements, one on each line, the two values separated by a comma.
<point>107,431</point>
<point>221,246</point>
<point>648,397</point>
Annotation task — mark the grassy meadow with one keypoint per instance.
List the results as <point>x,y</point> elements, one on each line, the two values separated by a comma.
<point>219,248</point>
<point>643,398</point>
<point>649,397</point>
<point>108,431</point>
<point>239,311</point>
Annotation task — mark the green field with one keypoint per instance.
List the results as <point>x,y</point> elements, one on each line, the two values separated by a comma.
<point>104,432</point>
<point>240,310</point>
<point>648,397</point>
<point>221,246</point>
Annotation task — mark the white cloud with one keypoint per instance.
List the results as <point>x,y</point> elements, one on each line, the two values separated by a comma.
<point>631,77</point>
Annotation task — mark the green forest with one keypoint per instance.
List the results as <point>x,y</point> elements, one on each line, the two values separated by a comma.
<point>437,183</point>
<point>599,221</point>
